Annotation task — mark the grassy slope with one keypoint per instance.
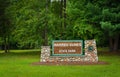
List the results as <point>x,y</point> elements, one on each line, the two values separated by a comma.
<point>18,64</point>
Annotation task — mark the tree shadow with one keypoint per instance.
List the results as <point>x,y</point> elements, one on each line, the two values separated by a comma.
<point>26,53</point>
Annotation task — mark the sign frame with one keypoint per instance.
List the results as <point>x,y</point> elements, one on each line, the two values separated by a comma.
<point>64,55</point>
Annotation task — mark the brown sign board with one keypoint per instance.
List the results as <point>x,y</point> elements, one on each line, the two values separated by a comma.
<point>67,47</point>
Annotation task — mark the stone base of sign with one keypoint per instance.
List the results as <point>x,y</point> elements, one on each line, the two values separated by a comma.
<point>90,54</point>
<point>71,63</point>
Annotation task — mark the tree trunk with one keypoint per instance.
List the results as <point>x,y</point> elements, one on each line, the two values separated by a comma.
<point>61,9</point>
<point>45,37</point>
<point>116,40</point>
<point>110,44</point>
<point>5,44</point>
<point>8,46</point>
<point>64,14</point>
<point>61,12</point>
<point>61,16</point>
<point>113,43</point>
<point>46,24</point>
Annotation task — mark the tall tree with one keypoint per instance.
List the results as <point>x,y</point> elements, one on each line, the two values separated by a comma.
<point>110,22</point>
<point>5,25</point>
<point>111,25</point>
<point>105,14</point>
<point>31,20</point>
<point>59,9</point>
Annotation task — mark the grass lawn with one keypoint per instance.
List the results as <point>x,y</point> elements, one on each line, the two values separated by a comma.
<point>17,63</point>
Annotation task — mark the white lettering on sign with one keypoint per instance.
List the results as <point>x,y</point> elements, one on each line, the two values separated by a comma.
<point>67,51</point>
<point>66,44</point>
<point>71,50</point>
<point>62,51</point>
<point>67,47</point>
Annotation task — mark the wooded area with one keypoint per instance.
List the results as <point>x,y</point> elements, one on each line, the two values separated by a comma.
<point>28,24</point>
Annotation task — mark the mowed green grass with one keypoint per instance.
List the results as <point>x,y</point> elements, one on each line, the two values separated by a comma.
<point>17,63</point>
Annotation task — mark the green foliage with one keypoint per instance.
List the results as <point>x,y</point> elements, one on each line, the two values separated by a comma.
<point>92,14</point>
<point>85,31</point>
<point>29,22</point>
<point>1,41</point>
<point>4,21</point>
<point>84,19</point>
<point>56,8</point>
<point>110,21</point>
<point>112,29</point>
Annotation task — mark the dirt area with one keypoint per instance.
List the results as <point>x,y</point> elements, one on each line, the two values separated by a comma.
<point>71,63</point>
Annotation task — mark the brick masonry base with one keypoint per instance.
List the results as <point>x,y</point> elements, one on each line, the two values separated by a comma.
<point>90,55</point>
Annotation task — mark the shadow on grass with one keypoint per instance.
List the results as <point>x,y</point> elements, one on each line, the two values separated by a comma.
<point>107,53</point>
<point>28,53</point>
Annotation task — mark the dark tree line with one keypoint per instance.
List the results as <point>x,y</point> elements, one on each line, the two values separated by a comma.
<point>32,23</point>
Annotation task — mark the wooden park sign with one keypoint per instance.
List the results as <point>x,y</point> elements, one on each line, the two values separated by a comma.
<point>67,48</point>
<point>70,51</point>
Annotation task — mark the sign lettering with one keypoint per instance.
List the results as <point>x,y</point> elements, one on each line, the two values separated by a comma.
<point>67,47</point>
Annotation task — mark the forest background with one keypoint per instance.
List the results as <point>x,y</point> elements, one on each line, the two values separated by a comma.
<point>29,24</point>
